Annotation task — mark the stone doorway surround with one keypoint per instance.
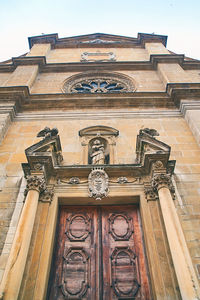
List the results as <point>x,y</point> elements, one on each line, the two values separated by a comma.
<point>50,184</point>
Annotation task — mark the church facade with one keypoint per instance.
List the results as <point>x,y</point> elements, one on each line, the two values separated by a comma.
<point>100,170</point>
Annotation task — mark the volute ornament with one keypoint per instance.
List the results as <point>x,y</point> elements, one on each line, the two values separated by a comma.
<point>98,183</point>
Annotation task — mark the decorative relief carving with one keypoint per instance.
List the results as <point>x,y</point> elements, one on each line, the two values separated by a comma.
<point>75,274</point>
<point>47,132</point>
<point>98,183</point>
<point>74,180</point>
<point>78,227</point>
<point>120,227</point>
<point>126,286</point>
<point>150,193</point>
<point>35,183</point>
<point>100,41</point>
<point>152,132</point>
<point>163,180</point>
<point>158,165</point>
<point>37,167</point>
<point>47,195</point>
<point>98,56</point>
<point>122,180</point>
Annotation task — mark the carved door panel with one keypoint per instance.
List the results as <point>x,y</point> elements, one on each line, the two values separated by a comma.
<point>74,271</point>
<point>99,255</point>
<point>124,268</point>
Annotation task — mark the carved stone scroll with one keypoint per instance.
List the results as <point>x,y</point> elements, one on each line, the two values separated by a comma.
<point>98,183</point>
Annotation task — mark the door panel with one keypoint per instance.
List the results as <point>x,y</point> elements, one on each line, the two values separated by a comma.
<point>99,255</point>
<point>124,270</point>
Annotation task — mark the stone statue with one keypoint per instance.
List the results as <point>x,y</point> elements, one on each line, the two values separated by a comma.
<point>98,156</point>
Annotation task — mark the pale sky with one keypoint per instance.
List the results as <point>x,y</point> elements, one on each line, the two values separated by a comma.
<point>178,19</point>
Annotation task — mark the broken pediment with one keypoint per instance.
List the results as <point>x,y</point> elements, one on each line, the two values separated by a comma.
<point>147,144</point>
<point>47,151</point>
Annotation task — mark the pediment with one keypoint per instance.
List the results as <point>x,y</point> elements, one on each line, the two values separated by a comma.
<point>148,144</point>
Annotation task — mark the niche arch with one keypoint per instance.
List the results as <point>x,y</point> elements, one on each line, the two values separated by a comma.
<point>107,138</point>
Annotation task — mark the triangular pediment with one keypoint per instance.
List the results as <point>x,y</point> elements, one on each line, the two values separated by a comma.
<point>94,39</point>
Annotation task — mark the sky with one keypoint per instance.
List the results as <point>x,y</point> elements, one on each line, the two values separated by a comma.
<point>178,19</point>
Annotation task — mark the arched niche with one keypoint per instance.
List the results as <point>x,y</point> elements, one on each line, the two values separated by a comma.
<point>107,137</point>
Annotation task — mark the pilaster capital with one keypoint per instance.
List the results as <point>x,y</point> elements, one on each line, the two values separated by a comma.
<point>47,195</point>
<point>36,183</point>
<point>161,180</point>
<point>150,193</point>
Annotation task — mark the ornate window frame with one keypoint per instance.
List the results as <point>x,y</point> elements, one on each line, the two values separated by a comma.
<point>128,83</point>
<point>99,131</point>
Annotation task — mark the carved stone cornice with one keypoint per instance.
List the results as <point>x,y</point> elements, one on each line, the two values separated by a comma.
<point>160,181</point>
<point>35,183</point>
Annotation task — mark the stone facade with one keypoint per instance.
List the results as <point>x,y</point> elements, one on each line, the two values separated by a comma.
<point>165,97</point>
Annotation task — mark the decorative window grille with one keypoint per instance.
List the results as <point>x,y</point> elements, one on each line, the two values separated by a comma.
<point>98,86</point>
<point>98,83</point>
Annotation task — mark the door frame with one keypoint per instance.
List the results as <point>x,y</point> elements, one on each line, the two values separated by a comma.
<point>118,195</point>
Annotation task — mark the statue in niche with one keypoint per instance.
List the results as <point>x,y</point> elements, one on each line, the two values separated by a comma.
<point>98,153</point>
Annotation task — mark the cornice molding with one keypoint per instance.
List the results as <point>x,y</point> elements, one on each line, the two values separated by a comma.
<point>89,40</point>
<point>109,65</point>
<point>175,92</point>
<point>188,104</point>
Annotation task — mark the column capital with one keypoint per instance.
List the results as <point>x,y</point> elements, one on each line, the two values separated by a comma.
<point>161,180</point>
<point>150,193</point>
<point>36,183</point>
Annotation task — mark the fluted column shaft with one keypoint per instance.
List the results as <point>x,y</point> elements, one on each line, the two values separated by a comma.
<point>185,273</point>
<point>13,274</point>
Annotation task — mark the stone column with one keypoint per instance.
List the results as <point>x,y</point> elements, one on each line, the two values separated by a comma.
<point>13,274</point>
<point>185,273</point>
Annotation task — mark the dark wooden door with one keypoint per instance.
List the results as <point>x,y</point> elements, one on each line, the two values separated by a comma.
<point>99,255</point>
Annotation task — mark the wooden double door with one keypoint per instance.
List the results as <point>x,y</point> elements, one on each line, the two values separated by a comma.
<point>99,254</point>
